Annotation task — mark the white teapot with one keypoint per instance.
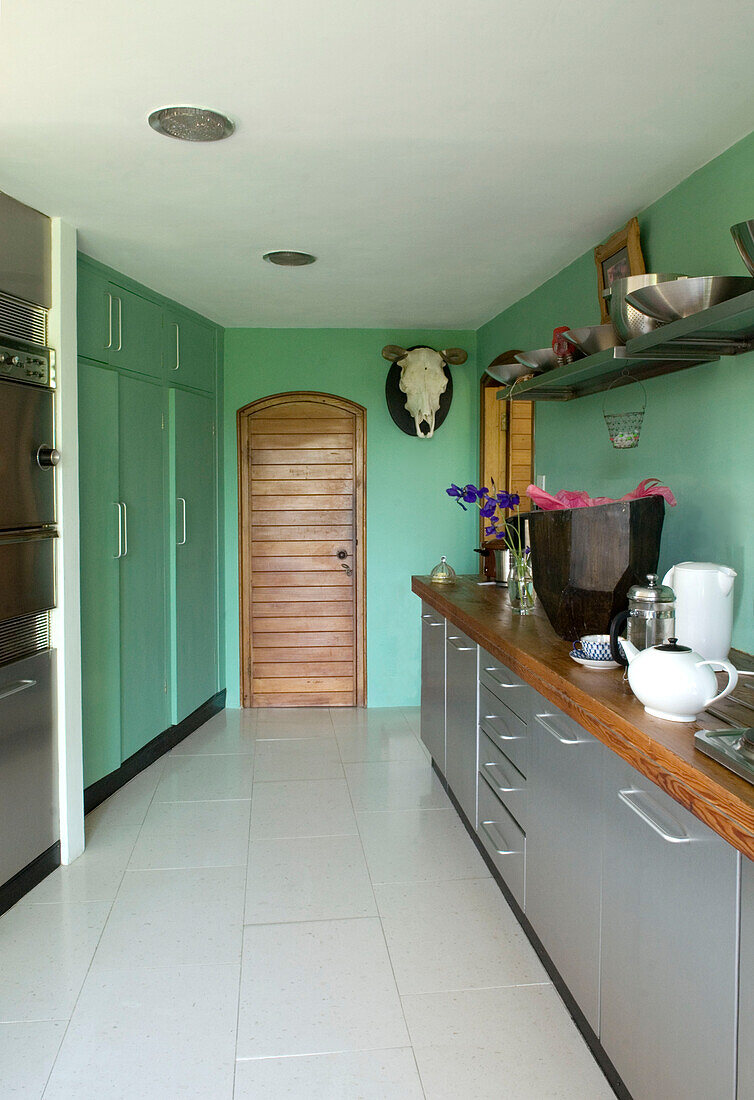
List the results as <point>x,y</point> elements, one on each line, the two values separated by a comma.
<point>673,682</point>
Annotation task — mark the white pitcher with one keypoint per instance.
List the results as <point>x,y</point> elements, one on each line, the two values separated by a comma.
<point>703,606</point>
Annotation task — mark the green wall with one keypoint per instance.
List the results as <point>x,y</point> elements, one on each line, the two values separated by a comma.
<point>698,433</point>
<point>410,520</point>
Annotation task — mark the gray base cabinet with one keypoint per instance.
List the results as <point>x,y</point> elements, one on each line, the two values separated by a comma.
<point>461,720</point>
<point>564,849</point>
<point>668,982</point>
<point>433,685</point>
<point>746,984</point>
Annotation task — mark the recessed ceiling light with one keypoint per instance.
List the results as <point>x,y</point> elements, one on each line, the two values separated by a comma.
<point>289,259</point>
<point>191,123</point>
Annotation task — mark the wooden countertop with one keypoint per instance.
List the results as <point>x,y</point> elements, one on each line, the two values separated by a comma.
<point>603,703</point>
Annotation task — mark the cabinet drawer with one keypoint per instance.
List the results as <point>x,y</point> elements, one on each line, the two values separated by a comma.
<point>504,840</point>
<point>433,618</point>
<point>506,780</point>
<point>504,684</point>
<point>504,728</point>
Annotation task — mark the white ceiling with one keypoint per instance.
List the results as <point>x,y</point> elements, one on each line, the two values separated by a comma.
<point>440,157</point>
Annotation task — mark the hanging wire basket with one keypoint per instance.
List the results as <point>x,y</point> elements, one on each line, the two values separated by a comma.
<point>625,427</point>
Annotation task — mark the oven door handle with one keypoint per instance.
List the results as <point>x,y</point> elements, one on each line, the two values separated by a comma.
<point>16,686</point>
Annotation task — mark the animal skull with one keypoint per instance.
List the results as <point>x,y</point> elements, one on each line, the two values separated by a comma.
<point>423,380</point>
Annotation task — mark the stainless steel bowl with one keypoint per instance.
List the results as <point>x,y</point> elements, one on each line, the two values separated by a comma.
<point>667,302</point>
<point>508,373</point>
<point>743,235</point>
<point>629,322</point>
<point>593,338</point>
<point>539,360</point>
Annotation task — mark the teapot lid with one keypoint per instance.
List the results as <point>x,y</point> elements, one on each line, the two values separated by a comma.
<point>672,646</point>
<point>652,591</point>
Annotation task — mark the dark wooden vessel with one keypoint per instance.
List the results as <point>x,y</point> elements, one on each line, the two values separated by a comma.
<point>585,560</point>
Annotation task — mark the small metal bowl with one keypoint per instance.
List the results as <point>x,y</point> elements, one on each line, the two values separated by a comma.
<point>668,302</point>
<point>594,338</point>
<point>539,360</point>
<point>629,322</point>
<point>743,235</point>
<point>506,369</point>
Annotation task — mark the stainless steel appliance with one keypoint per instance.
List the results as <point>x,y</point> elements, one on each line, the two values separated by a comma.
<point>734,749</point>
<point>28,811</point>
<point>649,620</point>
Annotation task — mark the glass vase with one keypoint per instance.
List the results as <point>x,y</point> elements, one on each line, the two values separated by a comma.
<point>521,586</point>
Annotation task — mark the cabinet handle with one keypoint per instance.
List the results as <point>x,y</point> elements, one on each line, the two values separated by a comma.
<point>120,529</point>
<point>498,844</point>
<point>489,767</point>
<point>502,683</point>
<point>125,529</point>
<point>120,323</point>
<point>18,685</point>
<point>182,540</point>
<point>503,736</point>
<point>460,648</point>
<point>109,343</point>
<point>641,804</point>
<point>177,346</point>
<point>542,719</point>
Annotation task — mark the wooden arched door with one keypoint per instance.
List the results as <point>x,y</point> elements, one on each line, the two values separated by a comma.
<point>301,463</point>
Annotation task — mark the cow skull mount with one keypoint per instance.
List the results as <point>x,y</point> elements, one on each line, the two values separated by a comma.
<point>419,387</point>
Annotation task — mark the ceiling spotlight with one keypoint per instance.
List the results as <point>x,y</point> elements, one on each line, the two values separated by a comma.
<point>289,259</point>
<point>191,123</point>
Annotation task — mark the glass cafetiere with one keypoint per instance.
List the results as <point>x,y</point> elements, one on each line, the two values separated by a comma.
<point>649,620</point>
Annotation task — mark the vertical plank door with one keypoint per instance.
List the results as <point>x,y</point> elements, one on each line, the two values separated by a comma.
<point>300,520</point>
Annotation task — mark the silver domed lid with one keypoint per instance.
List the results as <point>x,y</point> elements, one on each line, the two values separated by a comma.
<point>651,592</point>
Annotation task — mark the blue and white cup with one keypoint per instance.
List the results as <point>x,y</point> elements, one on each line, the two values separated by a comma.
<point>596,647</point>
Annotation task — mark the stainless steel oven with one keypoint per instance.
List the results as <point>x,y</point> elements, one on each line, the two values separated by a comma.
<point>28,801</point>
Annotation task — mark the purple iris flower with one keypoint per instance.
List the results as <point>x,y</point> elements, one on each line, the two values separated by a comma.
<point>453,491</point>
<point>488,510</point>
<point>504,499</point>
<point>515,500</point>
<point>470,494</point>
<point>491,530</point>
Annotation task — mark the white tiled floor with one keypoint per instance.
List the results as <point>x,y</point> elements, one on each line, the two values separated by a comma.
<point>285,906</point>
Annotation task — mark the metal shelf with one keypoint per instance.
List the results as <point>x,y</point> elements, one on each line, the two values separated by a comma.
<point>606,368</point>
<point>724,329</point>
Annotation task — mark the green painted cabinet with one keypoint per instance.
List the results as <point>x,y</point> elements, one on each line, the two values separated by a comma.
<point>117,326</point>
<point>101,547</point>
<point>192,422</point>
<point>188,351</point>
<point>148,502</point>
<point>143,587</point>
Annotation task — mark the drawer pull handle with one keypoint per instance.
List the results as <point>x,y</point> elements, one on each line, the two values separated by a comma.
<point>426,616</point>
<point>18,685</point>
<point>498,844</point>
<point>489,767</point>
<point>640,802</point>
<point>502,683</point>
<point>541,718</point>
<point>505,736</point>
<point>453,638</point>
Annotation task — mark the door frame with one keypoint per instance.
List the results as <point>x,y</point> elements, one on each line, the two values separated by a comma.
<point>244,524</point>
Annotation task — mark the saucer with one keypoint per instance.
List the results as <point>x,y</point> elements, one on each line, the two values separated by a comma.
<point>575,656</point>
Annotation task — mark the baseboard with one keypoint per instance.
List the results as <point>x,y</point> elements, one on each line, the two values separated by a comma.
<point>97,792</point>
<point>29,877</point>
<point>590,1037</point>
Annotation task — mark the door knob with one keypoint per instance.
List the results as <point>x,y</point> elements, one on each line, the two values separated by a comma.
<point>47,457</point>
<point>342,554</point>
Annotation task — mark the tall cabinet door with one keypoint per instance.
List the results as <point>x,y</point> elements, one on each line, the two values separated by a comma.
<point>433,685</point>
<point>143,649</point>
<point>101,547</point>
<point>461,719</point>
<point>192,420</point>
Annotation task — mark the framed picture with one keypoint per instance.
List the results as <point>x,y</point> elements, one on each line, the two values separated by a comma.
<point>617,258</point>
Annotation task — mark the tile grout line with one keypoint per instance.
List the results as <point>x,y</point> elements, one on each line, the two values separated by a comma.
<point>384,940</point>
<point>102,932</point>
<point>243,913</point>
